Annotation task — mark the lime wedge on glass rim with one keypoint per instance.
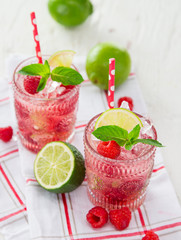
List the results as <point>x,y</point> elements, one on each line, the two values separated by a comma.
<point>59,167</point>
<point>61,58</point>
<point>120,117</point>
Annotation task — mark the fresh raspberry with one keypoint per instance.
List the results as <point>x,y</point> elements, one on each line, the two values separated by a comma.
<point>125,191</point>
<point>120,218</point>
<point>69,88</point>
<point>150,235</point>
<point>31,84</point>
<point>109,149</point>
<point>131,188</point>
<point>6,134</point>
<point>97,217</point>
<point>128,100</point>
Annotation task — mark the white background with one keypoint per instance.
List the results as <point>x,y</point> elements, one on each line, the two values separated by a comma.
<point>150,30</point>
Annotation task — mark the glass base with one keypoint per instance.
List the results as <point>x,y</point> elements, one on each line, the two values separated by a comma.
<point>105,202</point>
<point>34,147</point>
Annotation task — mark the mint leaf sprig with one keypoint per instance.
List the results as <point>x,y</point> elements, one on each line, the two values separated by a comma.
<point>122,137</point>
<point>65,75</point>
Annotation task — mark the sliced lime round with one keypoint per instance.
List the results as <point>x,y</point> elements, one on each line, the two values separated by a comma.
<point>59,167</point>
<point>61,58</point>
<point>120,117</point>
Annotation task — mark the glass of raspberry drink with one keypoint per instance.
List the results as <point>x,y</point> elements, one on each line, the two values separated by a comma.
<point>118,177</point>
<point>45,116</point>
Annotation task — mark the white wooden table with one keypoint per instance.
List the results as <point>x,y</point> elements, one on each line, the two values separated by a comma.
<point>151,30</point>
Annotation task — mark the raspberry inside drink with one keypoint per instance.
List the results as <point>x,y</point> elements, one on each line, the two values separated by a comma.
<point>122,181</point>
<point>46,116</point>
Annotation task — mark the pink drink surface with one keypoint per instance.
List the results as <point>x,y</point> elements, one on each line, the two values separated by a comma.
<point>46,116</point>
<point>113,183</point>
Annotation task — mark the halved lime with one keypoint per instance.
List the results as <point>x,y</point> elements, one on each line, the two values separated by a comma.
<point>120,117</point>
<point>61,58</point>
<point>59,167</point>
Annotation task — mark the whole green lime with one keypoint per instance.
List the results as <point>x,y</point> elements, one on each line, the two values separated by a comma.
<point>70,13</point>
<point>97,64</point>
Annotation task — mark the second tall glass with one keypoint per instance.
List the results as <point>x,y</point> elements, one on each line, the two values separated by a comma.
<point>114,183</point>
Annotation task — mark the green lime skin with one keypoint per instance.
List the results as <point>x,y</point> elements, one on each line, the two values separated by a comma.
<point>70,13</point>
<point>78,173</point>
<point>97,64</point>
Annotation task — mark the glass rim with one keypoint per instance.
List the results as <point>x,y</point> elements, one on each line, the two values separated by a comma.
<point>34,97</point>
<point>106,159</point>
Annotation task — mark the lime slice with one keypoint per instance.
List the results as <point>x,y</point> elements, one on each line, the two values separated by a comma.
<point>120,117</point>
<point>61,58</point>
<point>59,167</point>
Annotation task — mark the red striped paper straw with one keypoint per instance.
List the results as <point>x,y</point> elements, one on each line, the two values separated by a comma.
<point>36,37</point>
<point>111,82</point>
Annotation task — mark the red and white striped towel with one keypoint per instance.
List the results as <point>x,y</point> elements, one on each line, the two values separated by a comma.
<point>29,212</point>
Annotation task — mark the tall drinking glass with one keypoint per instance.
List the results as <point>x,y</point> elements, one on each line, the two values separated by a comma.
<point>47,116</point>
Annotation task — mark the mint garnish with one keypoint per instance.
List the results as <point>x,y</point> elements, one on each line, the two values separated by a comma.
<point>36,69</point>
<point>149,141</point>
<point>42,83</point>
<point>122,137</point>
<point>65,75</point>
<point>111,133</point>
